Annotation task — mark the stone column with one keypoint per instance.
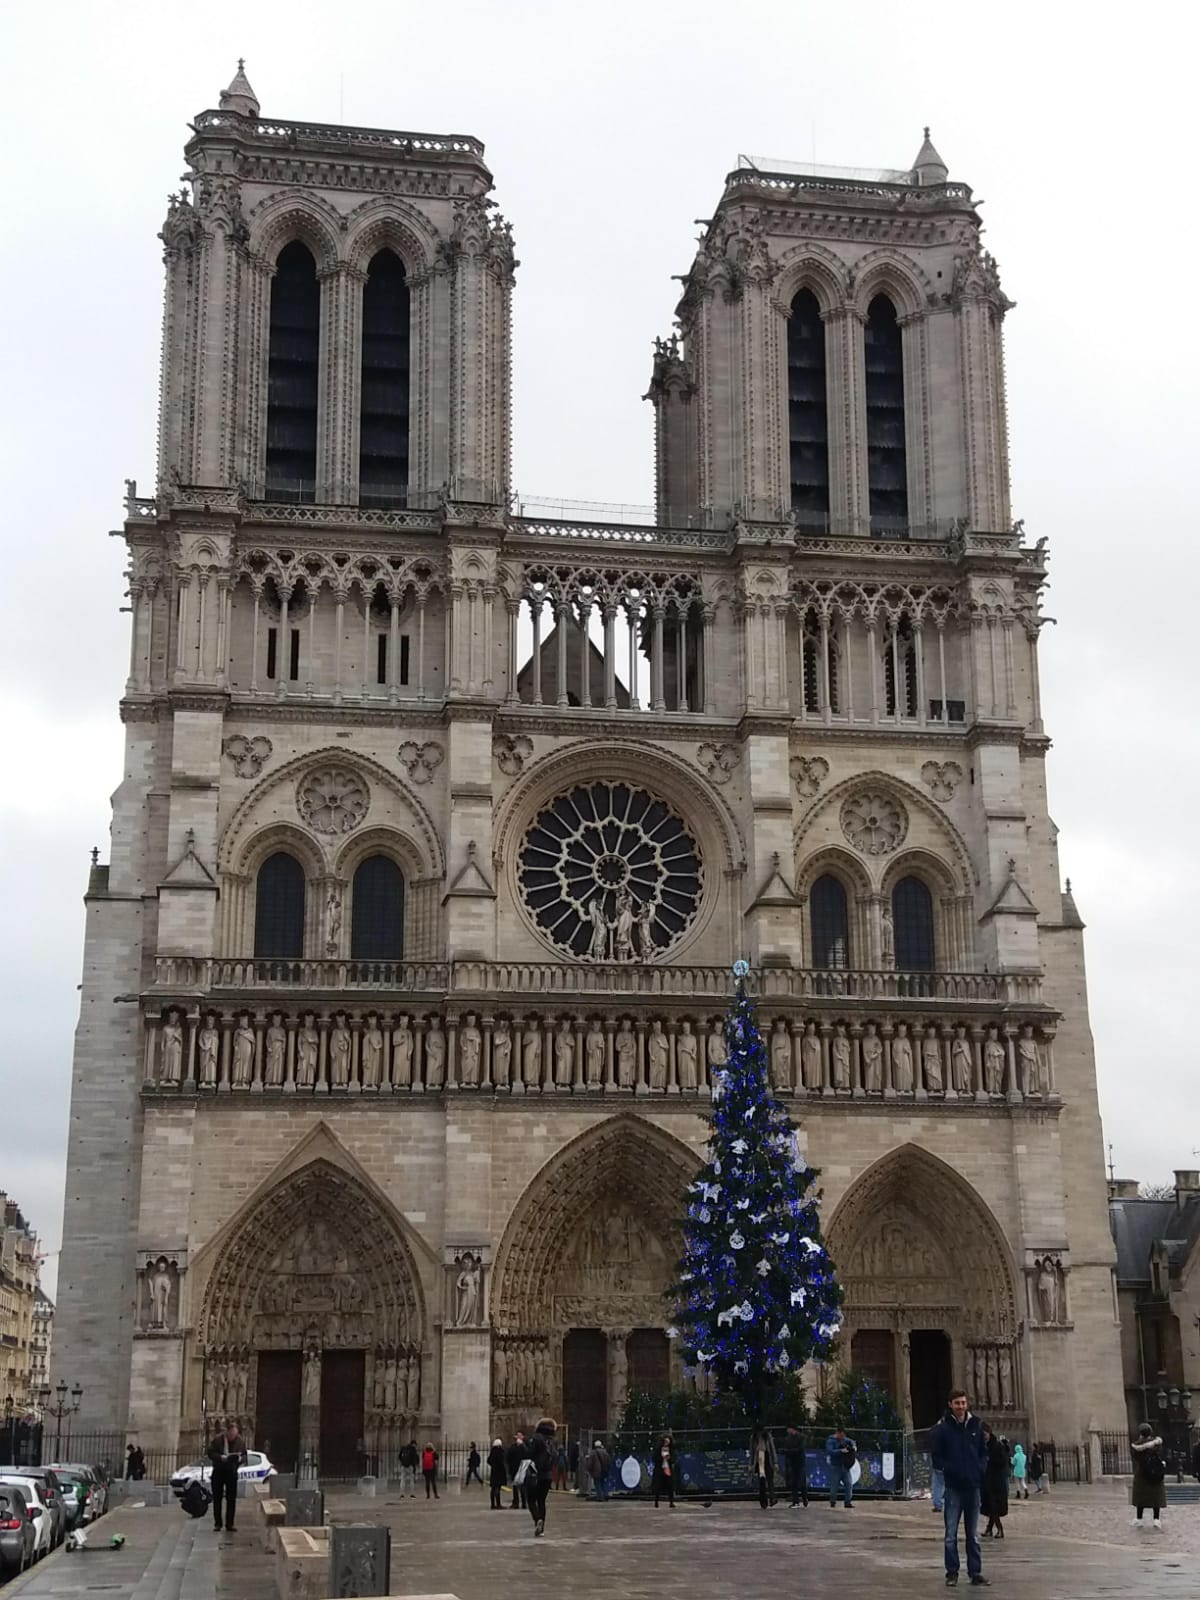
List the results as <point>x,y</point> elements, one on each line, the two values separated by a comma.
<point>310,1413</point>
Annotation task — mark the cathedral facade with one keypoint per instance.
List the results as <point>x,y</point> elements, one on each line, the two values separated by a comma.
<point>442,824</point>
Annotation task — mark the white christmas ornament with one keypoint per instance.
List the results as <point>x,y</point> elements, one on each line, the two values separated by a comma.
<point>763,1267</point>
<point>785,1360</point>
<point>799,1296</point>
<point>736,1240</point>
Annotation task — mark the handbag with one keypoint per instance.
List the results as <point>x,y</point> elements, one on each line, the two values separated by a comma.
<point>523,1472</point>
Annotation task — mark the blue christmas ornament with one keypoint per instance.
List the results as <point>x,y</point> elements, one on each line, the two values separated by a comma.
<point>741,969</point>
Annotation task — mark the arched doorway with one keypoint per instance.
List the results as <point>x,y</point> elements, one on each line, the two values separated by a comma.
<point>578,1308</point>
<point>929,1289</point>
<point>312,1327</point>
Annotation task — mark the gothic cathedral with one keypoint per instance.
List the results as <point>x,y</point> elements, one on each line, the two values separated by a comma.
<point>442,824</point>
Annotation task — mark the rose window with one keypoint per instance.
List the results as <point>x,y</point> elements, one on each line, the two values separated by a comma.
<point>873,822</point>
<point>610,873</point>
<point>332,800</point>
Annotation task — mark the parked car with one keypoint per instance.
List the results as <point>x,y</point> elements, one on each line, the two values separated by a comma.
<point>90,1478</point>
<point>257,1470</point>
<point>80,1491</point>
<point>50,1492</point>
<point>35,1513</point>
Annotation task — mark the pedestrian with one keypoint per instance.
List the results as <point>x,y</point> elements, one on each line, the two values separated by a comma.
<point>1196,1460</point>
<point>139,1463</point>
<point>598,1464</point>
<point>665,1470</point>
<point>764,1465</point>
<point>957,1447</point>
<point>429,1463</point>
<point>573,1465</point>
<point>993,1492</point>
<point>795,1465</point>
<point>513,1457</point>
<point>129,1461</point>
<point>1019,1468</point>
<point>1149,1476</point>
<point>410,1460</point>
<point>560,1467</point>
<point>541,1466</point>
<point>496,1473</point>
<point>227,1452</point>
<point>1037,1470</point>
<point>840,1454</point>
<point>473,1462</point>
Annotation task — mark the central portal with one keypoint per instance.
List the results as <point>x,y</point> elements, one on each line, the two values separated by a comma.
<point>343,1389</point>
<point>585,1379</point>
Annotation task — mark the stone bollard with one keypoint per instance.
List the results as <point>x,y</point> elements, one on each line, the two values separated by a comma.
<point>305,1508</point>
<point>360,1560</point>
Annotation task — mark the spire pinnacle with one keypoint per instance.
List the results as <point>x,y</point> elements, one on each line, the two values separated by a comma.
<point>929,166</point>
<point>240,98</point>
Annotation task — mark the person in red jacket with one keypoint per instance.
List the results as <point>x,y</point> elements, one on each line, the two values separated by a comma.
<point>429,1461</point>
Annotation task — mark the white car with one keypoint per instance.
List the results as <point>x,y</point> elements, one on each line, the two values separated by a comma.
<point>43,1521</point>
<point>257,1470</point>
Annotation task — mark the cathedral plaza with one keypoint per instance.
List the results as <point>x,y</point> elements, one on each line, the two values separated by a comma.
<point>444,818</point>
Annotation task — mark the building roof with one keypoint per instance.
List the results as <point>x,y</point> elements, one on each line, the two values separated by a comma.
<point>239,96</point>
<point>1138,1225</point>
<point>929,166</point>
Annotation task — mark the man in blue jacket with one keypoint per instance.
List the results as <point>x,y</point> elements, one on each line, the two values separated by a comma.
<point>957,1447</point>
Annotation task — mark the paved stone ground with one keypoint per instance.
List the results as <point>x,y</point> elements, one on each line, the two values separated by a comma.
<point>1076,1544</point>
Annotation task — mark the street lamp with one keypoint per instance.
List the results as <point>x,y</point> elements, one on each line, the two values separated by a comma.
<point>61,1409</point>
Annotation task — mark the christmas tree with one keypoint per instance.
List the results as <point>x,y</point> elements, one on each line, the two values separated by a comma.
<point>756,1296</point>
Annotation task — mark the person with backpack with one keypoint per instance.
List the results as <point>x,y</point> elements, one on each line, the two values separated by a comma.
<point>1037,1471</point>
<point>538,1472</point>
<point>513,1457</point>
<point>599,1464</point>
<point>1149,1476</point>
<point>410,1460</point>
<point>840,1454</point>
<point>496,1472</point>
<point>429,1461</point>
<point>473,1463</point>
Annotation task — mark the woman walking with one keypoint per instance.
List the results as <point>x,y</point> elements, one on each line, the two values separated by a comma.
<point>1020,1487</point>
<point>765,1465</point>
<point>473,1463</point>
<point>537,1482</point>
<point>993,1497</point>
<point>429,1461</point>
<point>665,1470</point>
<point>495,1463</point>
<point>1149,1476</point>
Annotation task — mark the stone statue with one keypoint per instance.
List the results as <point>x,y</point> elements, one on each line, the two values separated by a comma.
<point>308,1044</point>
<point>902,1061</point>
<point>435,1054</point>
<point>531,1057</point>
<point>781,1059</point>
<point>470,1045</point>
<point>564,1055</point>
<point>500,1375</point>
<point>810,1057</point>
<point>626,1049</point>
<point>598,943</point>
<point>887,930</point>
<point>619,1371</point>
<point>840,1058</point>
<point>333,906</point>
<point>502,1054</point>
<point>311,1387</point>
<point>402,1055</point>
<point>208,1046</point>
<point>980,1369</point>
<point>160,1293</point>
<point>658,1055</point>
<point>645,929</point>
<point>623,926</point>
<point>1004,1373</point>
<point>1029,1062</point>
<point>339,1053</point>
<point>872,1061</point>
<point>960,1062</point>
<point>993,1387</point>
<point>276,1051</point>
<point>466,1292</point>
<point>170,1066</point>
<point>243,1053</point>
<point>1047,1290</point>
<point>371,1067</point>
<point>593,1051</point>
<point>931,1061</point>
<point>717,1054</point>
<point>993,1064</point>
<point>686,1053</point>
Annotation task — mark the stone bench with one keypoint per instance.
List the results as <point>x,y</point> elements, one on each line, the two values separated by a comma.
<point>302,1563</point>
<point>270,1515</point>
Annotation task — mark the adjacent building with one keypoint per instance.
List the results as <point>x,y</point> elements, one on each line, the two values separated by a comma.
<point>18,1294</point>
<point>442,824</point>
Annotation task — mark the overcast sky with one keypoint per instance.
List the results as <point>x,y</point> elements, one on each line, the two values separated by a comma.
<point>609,129</point>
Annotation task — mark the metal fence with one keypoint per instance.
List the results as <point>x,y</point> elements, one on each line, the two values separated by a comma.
<point>1116,1458</point>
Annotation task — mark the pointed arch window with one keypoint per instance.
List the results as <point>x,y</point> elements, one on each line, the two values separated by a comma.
<point>830,922</point>
<point>887,463</point>
<point>279,908</point>
<point>808,423</point>
<point>377,911</point>
<point>383,432</point>
<point>900,671</point>
<point>820,667</point>
<point>293,355</point>
<point>912,921</point>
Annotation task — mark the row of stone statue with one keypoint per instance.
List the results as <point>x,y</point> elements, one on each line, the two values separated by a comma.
<point>520,1371</point>
<point>396,1383</point>
<point>315,1053</point>
<point>991,1370</point>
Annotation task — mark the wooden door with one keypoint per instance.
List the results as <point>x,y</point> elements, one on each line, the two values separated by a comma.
<point>929,1381</point>
<point>873,1353</point>
<point>277,1414</point>
<point>343,1390</point>
<point>585,1379</point>
<point>649,1353</point>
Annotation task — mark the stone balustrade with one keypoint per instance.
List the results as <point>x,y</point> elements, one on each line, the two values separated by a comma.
<point>201,975</point>
<point>431,1049</point>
